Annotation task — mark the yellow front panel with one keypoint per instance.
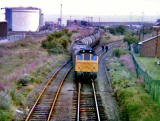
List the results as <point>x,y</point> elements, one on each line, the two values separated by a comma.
<point>86,66</point>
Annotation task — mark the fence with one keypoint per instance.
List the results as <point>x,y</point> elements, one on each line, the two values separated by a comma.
<point>15,37</point>
<point>151,85</point>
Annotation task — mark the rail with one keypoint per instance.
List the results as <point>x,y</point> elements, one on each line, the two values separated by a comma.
<point>57,94</point>
<point>43,91</point>
<point>95,99</point>
<point>95,102</point>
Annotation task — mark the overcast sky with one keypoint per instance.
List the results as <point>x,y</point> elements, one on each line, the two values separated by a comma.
<point>91,7</point>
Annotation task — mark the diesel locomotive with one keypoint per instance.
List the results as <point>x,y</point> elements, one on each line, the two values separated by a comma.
<point>85,61</point>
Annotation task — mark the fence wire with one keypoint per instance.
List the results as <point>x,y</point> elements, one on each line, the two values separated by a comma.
<point>151,85</point>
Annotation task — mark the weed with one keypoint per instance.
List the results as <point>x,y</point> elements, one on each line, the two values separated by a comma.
<point>24,80</point>
<point>135,103</point>
<point>5,101</point>
<point>5,115</point>
<point>17,98</point>
<point>118,52</point>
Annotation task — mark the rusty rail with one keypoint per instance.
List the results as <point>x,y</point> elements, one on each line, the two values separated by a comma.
<point>95,99</point>
<point>43,91</point>
<point>57,94</point>
<point>88,108</point>
<point>78,105</point>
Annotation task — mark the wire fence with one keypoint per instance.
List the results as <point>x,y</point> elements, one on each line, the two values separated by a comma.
<point>151,85</point>
<point>16,37</point>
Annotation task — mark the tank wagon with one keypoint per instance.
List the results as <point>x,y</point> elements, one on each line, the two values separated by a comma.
<point>85,61</point>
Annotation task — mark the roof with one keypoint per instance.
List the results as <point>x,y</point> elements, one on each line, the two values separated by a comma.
<point>22,8</point>
<point>151,38</point>
<point>2,21</point>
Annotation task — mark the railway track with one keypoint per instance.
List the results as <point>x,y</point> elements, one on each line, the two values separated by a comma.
<point>89,106</point>
<point>43,108</point>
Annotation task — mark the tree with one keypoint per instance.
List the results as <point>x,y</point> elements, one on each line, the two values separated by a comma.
<point>112,31</point>
<point>131,39</point>
<point>121,29</point>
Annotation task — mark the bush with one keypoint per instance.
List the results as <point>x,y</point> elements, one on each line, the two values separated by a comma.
<point>118,52</point>
<point>16,97</point>
<point>112,31</point>
<point>121,29</point>
<point>5,115</point>
<point>118,30</point>
<point>64,42</point>
<point>57,42</point>
<point>24,80</point>
<point>5,101</point>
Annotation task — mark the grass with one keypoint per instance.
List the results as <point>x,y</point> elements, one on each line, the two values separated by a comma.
<point>135,103</point>
<point>148,65</point>
<point>5,115</point>
<point>5,107</point>
<point>21,58</point>
<point>107,37</point>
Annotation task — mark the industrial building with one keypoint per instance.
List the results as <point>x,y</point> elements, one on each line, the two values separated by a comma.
<point>3,29</point>
<point>148,47</point>
<point>24,19</point>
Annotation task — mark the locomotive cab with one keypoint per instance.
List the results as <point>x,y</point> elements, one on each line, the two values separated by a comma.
<point>86,63</point>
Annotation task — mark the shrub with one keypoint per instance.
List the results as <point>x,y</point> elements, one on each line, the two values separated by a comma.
<point>57,42</point>
<point>5,115</point>
<point>5,101</point>
<point>17,98</point>
<point>64,42</point>
<point>112,31</point>
<point>118,30</point>
<point>118,52</point>
<point>24,80</point>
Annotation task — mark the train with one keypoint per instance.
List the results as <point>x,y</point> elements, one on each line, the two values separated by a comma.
<point>85,60</point>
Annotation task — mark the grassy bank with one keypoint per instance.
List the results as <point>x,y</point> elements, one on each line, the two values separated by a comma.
<point>23,65</point>
<point>148,64</point>
<point>135,103</point>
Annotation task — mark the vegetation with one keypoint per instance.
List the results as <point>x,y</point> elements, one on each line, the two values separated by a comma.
<point>57,42</point>
<point>24,64</point>
<point>118,30</point>
<point>148,64</point>
<point>5,107</point>
<point>130,39</point>
<point>118,52</point>
<point>107,37</point>
<point>135,103</point>
<point>16,97</point>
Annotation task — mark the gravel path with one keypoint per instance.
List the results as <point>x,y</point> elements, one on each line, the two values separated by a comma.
<point>104,89</point>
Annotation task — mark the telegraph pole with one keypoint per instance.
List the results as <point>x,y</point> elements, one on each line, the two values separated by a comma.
<point>157,28</point>
<point>70,20</point>
<point>99,21</point>
<point>61,15</point>
<point>143,33</point>
<point>156,52</point>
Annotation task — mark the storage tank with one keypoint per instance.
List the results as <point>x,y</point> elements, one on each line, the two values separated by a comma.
<point>41,19</point>
<point>23,19</point>
<point>3,29</point>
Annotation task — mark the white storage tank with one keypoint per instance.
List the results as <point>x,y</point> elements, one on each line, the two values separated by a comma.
<point>24,19</point>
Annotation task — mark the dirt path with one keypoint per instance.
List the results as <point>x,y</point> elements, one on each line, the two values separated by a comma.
<point>128,62</point>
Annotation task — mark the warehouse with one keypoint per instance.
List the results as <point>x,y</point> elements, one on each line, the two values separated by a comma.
<point>148,47</point>
<point>23,19</point>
